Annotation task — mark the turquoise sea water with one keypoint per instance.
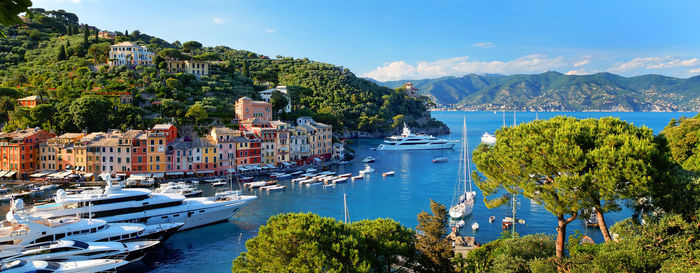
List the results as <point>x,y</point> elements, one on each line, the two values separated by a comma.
<point>401,197</point>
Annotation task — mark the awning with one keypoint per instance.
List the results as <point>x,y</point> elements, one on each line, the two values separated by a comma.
<point>190,172</point>
<point>2,173</point>
<point>88,175</point>
<point>158,175</point>
<point>139,175</point>
<point>175,173</point>
<point>9,174</point>
<point>205,171</point>
<point>40,174</point>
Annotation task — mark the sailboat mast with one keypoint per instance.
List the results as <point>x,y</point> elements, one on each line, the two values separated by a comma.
<point>468,169</point>
<point>345,206</point>
<point>514,221</point>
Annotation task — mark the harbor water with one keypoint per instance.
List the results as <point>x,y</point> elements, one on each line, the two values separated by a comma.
<point>401,197</point>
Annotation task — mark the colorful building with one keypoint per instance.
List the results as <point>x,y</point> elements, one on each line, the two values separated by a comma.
<point>247,150</point>
<point>267,94</point>
<point>194,67</point>
<point>282,140</point>
<point>224,138</point>
<point>156,143</point>
<point>31,101</point>
<point>127,53</point>
<point>19,152</point>
<point>58,153</point>
<point>169,130</point>
<point>320,137</point>
<point>247,108</point>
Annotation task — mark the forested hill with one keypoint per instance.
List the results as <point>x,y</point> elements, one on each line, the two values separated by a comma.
<point>62,60</point>
<point>556,91</point>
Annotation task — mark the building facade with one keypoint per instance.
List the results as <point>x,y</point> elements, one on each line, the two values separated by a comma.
<point>127,53</point>
<point>246,108</point>
<point>19,152</point>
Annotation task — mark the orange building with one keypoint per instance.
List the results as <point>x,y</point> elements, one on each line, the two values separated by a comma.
<point>19,152</point>
<point>169,130</point>
<point>31,101</point>
<point>156,142</point>
<point>247,108</point>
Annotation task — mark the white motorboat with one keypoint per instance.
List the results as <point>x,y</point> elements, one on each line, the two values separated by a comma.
<point>389,173</point>
<point>297,173</point>
<point>463,199</point>
<point>310,170</point>
<point>366,170</point>
<point>460,223</point>
<point>71,250</point>
<point>273,188</point>
<point>368,159</point>
<point>440,159</point>
<point>21,230</point>
<point>87,266</point>
<point>178,188</point>
<point>410,141</point>
<point>475,226</point>
<point>114,204</point>
<point>218,184</point>
<point>487,138</point>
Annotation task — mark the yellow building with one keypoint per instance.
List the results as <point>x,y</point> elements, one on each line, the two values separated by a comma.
<point>194,67</point>
<point>156,152</point>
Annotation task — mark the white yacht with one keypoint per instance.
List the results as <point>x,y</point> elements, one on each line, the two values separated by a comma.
<point>410,141</point>
<point>70,250</point>
<point>366,170</point>
<point>114,204</point>
<point>21,230</point>
<point>463,199</point>
<point>97,265</point>
<point>178,188</point>
<point>487,138</point>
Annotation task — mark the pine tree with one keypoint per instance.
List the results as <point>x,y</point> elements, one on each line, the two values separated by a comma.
<point>97,32</point>
<point>61,53</point>
<point>69,30</point>
<point>436,252</point>
<point>86,34</point>
<point>126,33</point>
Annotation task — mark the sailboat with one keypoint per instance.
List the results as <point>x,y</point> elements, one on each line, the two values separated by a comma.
<point>440,159</point>
<point>463,199</point>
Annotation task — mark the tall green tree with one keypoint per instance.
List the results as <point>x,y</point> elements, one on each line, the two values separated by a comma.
<point>197,113</point>
<point>279,101</point>
<point>303,243</point>
<point>191,46</point>
<point>91,113</point>
<point>61,53</point>
<point>9,10</point>
<point>568,165</point>
<point>389,244</point>
<point>435,250</point>
<point>86,34</point>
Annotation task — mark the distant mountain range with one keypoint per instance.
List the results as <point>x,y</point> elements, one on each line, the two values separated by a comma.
<point>559,92</point>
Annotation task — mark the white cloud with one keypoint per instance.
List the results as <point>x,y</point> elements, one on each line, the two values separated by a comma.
<point>484,45</point>
<point>583,62</point>
<point>269,30</point>
<point>218,21</point>
<point>459,66</point>
<point>653,63</point>
<point>581,72</point>
<point>695,70</point>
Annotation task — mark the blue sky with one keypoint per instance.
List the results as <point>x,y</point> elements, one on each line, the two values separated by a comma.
<point>390,40</point>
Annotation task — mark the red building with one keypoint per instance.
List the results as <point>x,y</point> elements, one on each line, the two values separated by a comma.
<point>19,152</point>
<point>169,130</point>
<point>137,138</point>
<point>31,101</point>
<point>247,150</point>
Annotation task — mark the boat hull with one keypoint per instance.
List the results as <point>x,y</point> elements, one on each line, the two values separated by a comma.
<point>384,147</point>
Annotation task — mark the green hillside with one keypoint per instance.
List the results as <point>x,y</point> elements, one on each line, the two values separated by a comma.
<point>556,91</point>
<point>55,56</point>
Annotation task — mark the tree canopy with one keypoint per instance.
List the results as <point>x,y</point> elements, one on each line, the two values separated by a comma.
<point>568,165</point>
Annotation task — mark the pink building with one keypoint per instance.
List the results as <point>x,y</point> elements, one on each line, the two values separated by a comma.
<point>247,108</point>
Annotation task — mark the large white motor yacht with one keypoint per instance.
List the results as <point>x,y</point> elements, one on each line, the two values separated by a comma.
<point>410,141</point>
<point>114,204</point>
<point>97,265</point>
<point>70,250</point>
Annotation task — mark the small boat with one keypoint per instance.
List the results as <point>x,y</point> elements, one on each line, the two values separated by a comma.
<point>366,170</point>
<point>285,175</point>
<point>368,159</point>
<point>258,184</point>
<point>307,181</point>
<point>245,178</point>
<point>487,138</point>
<point>359,177</point>
<point>343,162</point>
<point>327,173</point>
<point>460,224</point>
<point>390,173</point>
<point>492,218</point>
<point>273,188</point>
<point>475,226</point>
<point>48,187</point>
<point>507,222</point>
<point>218,184</point>
<point>345,175</point>
<point>310,170</point>
<point>340,180</point>
<point>315,183</point>
<point>441,159</point>
<point>297,173</point>
<point>195,182</point>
